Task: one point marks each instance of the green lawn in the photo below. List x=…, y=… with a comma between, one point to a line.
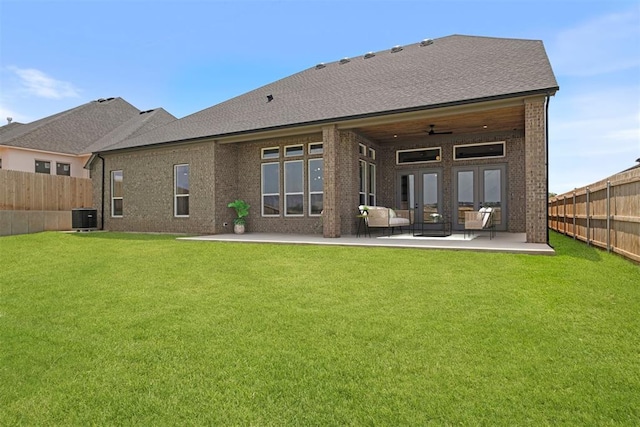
x=117, y=329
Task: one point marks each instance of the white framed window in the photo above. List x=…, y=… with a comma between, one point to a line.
x=117, y=194
x=418, y=155
x=362, y=150
x=372, y=185
x=362, y=190
x=271, y=153
x=270, y=177
x=294, y=188
x=372, y=153
x=316, y=186
x=181, y=190
x=316, y=148
x=43, y=166
x=294, y=150
x=479, y=151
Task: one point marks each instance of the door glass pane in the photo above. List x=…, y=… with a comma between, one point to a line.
x=429, y=195
x=493, y=193
x=465, y=194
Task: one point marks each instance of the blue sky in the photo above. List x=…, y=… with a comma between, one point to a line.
x=185, y=56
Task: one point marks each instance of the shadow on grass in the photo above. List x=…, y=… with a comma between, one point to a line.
x=567, y=246
x=108, y=235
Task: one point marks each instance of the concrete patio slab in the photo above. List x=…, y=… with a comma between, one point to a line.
x=502, y=242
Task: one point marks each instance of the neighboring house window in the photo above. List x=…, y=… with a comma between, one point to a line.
x=363, y=182
x=270, y=189
x=372, y=184
x=479, y=151
x=316, y=186
x=181, y=190
x=0, y=163
x=116, y=193
x=43, y=166
x=294, y=188
x=63, y=169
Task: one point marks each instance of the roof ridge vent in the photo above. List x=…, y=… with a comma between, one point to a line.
x=426, y=42
x=320, y=66
x=396, y=49
x=369, y=55
x=345, y=60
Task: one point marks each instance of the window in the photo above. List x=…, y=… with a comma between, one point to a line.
x=294, y=188
x=63, y=169
x=372, y=185
x=270, y=189
x=479, y=151
x=43, y=167
x=316, y=186
x=116, y=193
x=419, y=155
x=271, y=153
x=363, y=182
x=316, y=148
x=372, y=153
x=294, y=150
x=181, y=190
x=0, y=163
x=362, y=150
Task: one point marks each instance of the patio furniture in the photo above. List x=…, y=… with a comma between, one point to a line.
x=381, y=217
x=479, y=220
x=436, y=226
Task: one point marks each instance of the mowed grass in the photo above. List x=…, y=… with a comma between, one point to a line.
x=124, y=329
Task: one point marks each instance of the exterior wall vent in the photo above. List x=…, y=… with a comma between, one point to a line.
x=396, y=49
x=345, y=60
x=320, y=66
x=426, y=42
x=369, y=55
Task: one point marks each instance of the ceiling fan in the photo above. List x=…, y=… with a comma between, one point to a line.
x=433, y=132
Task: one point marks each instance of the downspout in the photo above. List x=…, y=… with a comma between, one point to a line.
x=102, y=188
x=546, y=161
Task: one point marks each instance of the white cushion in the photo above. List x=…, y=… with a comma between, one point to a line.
x=392, y=213
x=398, y=221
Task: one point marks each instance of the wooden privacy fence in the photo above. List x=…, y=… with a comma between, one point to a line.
x=604, y=214
x=25, y=191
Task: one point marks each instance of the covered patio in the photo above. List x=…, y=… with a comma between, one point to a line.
x=503, y=242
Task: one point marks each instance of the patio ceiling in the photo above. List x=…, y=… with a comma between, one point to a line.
x=497, y=120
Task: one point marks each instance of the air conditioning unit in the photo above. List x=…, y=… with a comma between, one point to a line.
x=84, y=219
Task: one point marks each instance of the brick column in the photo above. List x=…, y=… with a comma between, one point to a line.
x=535, y=170
x=331, y=212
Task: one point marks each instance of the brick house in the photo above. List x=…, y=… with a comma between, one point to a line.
x=443, y=125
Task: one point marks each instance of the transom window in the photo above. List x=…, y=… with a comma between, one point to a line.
x=294, y=150
x=418, y=155
x=316, y=148
x=181, y=191
x=271, y=153
x=117, y=193
x=479, y=151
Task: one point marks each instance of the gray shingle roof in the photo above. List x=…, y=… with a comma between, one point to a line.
x=71, y=131
x=451, y=70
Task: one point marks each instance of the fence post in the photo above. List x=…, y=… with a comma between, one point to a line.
x=588, y=220
x=574, y=215
x=608, y=216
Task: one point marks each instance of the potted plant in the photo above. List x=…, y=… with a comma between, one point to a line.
x=242, y=210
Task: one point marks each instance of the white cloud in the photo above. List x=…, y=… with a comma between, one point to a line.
x=607, y=44
x=16, y=117
x=40, y=84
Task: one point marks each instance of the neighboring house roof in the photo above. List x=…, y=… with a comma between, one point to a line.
x=71, y=131
x=451, y=70
x=141, y=123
